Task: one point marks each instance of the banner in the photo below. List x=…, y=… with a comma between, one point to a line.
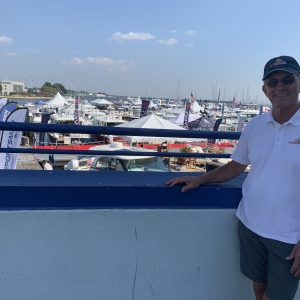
x=12, y=139
x=144, y=108
x=6, y=110
x=217, y=124
x=194, y=124
x=3, y=101
x=186, y=115
x=216, y=127
x=207, y=123
x=76, y=111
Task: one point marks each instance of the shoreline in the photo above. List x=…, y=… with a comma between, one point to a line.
x=27, y=97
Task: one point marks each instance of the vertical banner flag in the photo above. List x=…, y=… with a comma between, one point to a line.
x=216, y=127
x=3, y=101
x=12, y=139
x=186, y=115
x=76, y=111
x=6, y=111
x=144, y=108
x=217, y=124
x=45, y=119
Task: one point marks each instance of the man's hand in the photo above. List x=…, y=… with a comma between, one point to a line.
x=190, y=182
x=295, y=255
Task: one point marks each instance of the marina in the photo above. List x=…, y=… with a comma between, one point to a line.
x=126, y=112
x=142, y=226
x=121, y=123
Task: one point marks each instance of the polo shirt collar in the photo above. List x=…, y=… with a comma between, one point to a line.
x=294, y=120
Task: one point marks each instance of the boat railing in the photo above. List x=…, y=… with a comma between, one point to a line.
x=116, y=131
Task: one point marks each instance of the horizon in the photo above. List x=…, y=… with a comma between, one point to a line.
x=164, y=50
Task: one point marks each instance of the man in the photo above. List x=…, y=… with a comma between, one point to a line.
x=269, y=212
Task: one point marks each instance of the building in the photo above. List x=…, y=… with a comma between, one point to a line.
x=12, y=87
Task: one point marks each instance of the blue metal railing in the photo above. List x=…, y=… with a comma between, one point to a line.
x=116, y=131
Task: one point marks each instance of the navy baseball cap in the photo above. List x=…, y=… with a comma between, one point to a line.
x=281, y=63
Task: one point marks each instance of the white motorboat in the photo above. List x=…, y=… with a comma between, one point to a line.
x=119, y=162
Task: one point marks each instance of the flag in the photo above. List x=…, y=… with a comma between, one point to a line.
x=206, y=123
x=6, y=111
x=76, y=111
x=12, y=139
x=216, y=127
x=144, y=108
x=217, y=124
x=195, y=124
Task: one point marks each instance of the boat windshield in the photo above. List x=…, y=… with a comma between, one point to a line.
x=151, y=164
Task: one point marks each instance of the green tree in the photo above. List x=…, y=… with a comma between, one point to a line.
x=60, y=88
x=0, y=88
x=48, y=88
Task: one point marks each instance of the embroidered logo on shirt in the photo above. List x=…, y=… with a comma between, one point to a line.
x=295, y=141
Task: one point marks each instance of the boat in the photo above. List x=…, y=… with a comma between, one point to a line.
x=119, y=162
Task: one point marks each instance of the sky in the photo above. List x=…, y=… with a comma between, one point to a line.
x=157, y=48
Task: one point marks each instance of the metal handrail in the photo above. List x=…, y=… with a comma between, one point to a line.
x=119, y=131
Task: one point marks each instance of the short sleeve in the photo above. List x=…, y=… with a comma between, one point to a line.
x=240, y=153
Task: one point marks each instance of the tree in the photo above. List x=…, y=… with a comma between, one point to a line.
x=0, y=88
x=60, y=88
x=48, y=88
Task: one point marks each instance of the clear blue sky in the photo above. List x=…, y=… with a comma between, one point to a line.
x=148, y=48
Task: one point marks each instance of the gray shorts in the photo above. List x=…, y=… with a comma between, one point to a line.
x=263, y=260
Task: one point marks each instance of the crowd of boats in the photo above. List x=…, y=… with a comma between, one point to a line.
x=130, y=112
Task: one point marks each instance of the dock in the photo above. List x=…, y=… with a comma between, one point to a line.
x=27, y=161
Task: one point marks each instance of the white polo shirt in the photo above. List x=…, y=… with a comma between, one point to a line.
x=270, y=205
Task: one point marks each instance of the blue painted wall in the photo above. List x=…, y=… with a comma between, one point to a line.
x=20, y=189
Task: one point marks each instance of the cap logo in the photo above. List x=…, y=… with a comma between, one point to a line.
x=278, y=62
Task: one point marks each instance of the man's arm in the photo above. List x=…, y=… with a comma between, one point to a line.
x=224, y=173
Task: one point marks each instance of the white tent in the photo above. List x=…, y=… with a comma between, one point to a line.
x=101, y=102
x=195, y=107
x=151, y=122
x=57, y=100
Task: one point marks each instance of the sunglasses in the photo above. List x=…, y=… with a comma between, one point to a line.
x=286, y=80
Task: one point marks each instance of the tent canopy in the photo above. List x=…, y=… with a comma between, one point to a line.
x=151, y=122
x=57, y=100
x=101, y=102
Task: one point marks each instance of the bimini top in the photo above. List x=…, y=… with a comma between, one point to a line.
x=118, y=146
